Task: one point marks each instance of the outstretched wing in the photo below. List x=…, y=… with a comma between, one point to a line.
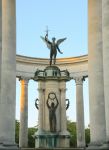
x=48, y=43
x=60, y=41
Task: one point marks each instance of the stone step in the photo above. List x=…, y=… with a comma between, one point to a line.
x=63, y=149
x=53, y=149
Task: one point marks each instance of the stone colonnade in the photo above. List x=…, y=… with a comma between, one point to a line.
x=98, y=59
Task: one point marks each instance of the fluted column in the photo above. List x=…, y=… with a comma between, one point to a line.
x=95, y=73
x=23, y=134
x=80, y=112
x=63, y=107
x=105, y=16
x=8, y=79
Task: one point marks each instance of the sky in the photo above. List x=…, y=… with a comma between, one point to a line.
x=64, y=19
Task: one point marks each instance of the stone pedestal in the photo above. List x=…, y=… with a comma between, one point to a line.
x=52, y=89
x=51, y=140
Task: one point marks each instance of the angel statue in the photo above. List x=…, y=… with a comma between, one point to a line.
x=53, y=46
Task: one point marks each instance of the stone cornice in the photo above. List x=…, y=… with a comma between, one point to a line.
x=27, y=66
x=45, y=61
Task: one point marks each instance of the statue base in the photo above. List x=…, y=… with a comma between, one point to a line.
x=44, y=139
x=52, y=90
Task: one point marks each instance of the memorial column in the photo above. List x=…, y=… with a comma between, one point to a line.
x=80, y=112
x=23, y=134
x=8, y=77
x=95, y=73
x=105, y=27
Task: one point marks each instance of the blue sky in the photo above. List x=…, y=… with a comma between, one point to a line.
x=64, y=19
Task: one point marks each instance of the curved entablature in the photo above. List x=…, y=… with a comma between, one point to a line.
x=26, y=66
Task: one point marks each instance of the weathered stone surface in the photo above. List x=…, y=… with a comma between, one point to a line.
x=80, y=112
x=105, y=20
x=8, y=79
x=0, y=42
x=23, y=134
x=95, y=73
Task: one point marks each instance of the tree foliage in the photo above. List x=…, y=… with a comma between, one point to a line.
x=87, y=136
x=17, y=132
x=71, y=127
x=31, y=140
x=31, y=131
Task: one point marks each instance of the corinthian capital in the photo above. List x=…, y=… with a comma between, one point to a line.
x=24, y=80
x=79, y=80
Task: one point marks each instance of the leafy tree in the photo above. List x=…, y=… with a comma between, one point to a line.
x=31, y=140
x=87, y=136
x=17, y=124
x=71, y=127
x=31, y=131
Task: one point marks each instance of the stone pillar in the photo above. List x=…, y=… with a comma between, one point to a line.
x=0, y=41
x=95, y=72
x=80, y=112
x=8, y=79
x=63, y=108
x=64, y=142
x=23, y=134
x=41, y=107
x=105, y=16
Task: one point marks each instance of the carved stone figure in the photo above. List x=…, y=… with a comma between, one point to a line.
x=52, y=110
x=53, y=46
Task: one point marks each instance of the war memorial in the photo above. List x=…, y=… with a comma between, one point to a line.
x=52, y=75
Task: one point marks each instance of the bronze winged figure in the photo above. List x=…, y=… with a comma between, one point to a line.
x=53, y=46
